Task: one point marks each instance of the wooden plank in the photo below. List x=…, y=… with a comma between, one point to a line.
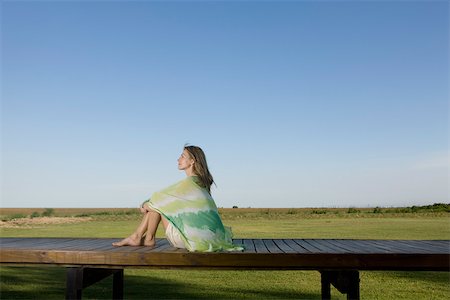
x=94, y=244
x=102, y=247
x=392, y=248
x=376, y=248
x=146, y=249
x=320, y=248
x=295, y=246
x=259, y=246
x=396, y=246
x=304, y=244
x=400, y=247
x=165, y=245
x=122, y=249
x=283, y=246
x=31, y=242
x=291, y=261
x=444, y=245
x=382, y=247
x=5, y=241
x=443, y=242
x=249, y=246
x=180, y=250
x=67, y=243
x=344, y=246
x=168, y=256
x=73, y=245
x=86, y=242
x=238, y=242
x=159, y=242
x=359, y=246
x=424, y=246
x=58, y=245
x=271, y=246
x=330, y=247
x=416, y=246
x=98, y=244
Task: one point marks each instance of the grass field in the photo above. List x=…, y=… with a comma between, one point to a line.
x=49, y=283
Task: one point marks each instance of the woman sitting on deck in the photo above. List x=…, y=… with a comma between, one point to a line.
x=187, y=211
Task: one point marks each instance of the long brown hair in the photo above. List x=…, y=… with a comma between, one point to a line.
x=200, y=166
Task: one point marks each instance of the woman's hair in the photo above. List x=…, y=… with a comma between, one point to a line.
x=200, y=166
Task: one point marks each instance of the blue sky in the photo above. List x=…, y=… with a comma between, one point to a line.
x=296, y=103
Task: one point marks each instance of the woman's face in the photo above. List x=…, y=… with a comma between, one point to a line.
x=185, y=161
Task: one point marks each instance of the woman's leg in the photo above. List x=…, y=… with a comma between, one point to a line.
x=155, y=219
x=152, y=226
x=135, y=238
x=147, y=208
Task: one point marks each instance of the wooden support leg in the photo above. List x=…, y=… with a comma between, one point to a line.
x=326, y=286
x=80, y=277
x=353, y=286
x=74, y=283
x=118, y=285
x=346, y=282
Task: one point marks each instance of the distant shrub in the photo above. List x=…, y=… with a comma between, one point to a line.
x=377, y=210
x=403, y=210
x=103, y=213
x=110, y=214
x=319, y=212
x=81, y=215
x=48, y=212
x=35, y=214
x=17, y=216
x=352, y=210
x=292, y=211
x=436, y=207
x=234, y=206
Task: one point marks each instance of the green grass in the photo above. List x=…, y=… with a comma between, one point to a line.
x=28, y=282
x=426, y=227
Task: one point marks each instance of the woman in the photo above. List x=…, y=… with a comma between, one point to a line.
x=186, y=210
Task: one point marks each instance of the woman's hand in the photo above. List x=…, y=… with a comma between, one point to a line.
x=142, y=210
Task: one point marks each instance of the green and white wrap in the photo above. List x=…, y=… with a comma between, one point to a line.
x=193, y=212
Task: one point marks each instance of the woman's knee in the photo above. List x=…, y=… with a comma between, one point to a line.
x=147, y=208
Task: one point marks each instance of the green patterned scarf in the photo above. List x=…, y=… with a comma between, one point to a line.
x=193, y=212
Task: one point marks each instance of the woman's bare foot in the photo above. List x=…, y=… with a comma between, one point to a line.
x=132, y=240
x=149, y=242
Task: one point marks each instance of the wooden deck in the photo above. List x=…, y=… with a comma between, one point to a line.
x=334, y=258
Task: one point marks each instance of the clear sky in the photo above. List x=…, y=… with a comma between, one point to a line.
x=296, y=103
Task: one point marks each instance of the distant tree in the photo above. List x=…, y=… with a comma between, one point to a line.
x=234, y=206
x=35, y=214
x=48, y=212
x=352, y=210
x=377, y=210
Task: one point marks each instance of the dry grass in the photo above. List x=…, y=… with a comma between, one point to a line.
x=58, y=211
x=35, y=222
